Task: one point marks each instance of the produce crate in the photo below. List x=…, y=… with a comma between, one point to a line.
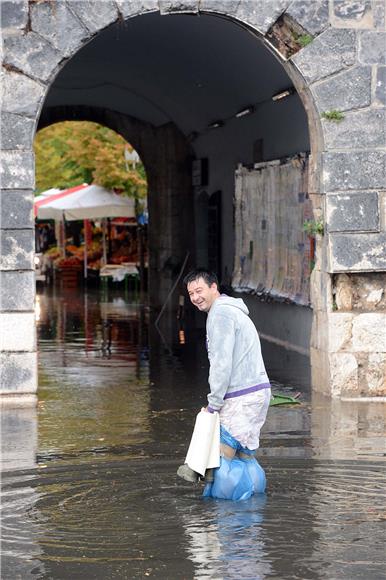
x=69, y=276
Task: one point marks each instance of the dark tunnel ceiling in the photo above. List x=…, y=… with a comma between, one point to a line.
x=187, y=69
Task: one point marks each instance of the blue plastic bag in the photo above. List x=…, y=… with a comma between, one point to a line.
x=236, y=478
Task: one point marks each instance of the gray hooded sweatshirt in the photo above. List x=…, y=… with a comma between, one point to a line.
x=236, y=363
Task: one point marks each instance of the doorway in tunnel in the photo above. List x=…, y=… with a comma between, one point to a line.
x=90, y=208
x=184, y=89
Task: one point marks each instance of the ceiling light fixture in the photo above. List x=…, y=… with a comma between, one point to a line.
x=215, y=124
x=246, y=111
x=283, y=94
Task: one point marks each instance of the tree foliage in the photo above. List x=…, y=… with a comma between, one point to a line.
x=75, y=152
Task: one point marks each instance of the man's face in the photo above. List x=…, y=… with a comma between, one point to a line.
x=202, y=295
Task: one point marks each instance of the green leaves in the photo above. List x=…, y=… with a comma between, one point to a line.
x=75, y=152
x=312, y=227
x=336, y=116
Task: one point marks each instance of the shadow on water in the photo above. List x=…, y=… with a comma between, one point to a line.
x=89, y=487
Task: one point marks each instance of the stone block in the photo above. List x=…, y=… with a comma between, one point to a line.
x=382, y=204
x=354, y=170
x=358, y=130
x=220, y=6
x=320, y=371
x=349, y=10
x=340, y=331
x=57, y=24
x=376, y=374
x=17, y=291
x=261, y=14
x=372, y=47
x=133, y=7
x=18, y=333
x=344, y=373
x=321, y=253
x=349, y=13
x=368, y=290
x=374, y=298
x=320, y=290
x=17, y=249
x=314, y=175
x=319, y=331
x=357, y=252
x=14, y=14
x=312, y=16
x=32, y=55
x=16, y=209
x=380, y=86
x=348, y=90
x=19, y=433
x=369, y=332
x=343, y=292
x=20, y=94
x=329, y=53
x=17, y=132
x=17, y=170
x=178, y=6
x=95, y=14
x=379, y=14
x=18, y=372
x=353, y=212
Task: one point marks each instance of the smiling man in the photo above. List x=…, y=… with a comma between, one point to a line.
x=239, y=386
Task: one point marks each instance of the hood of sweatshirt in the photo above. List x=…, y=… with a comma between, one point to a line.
x=225, y=300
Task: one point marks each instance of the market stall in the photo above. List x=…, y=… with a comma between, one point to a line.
x=89, y=203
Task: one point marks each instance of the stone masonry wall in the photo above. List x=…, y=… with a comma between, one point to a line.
x=335, y=52
x=350, y=94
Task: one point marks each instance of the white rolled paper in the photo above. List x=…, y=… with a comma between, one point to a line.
x=204, y=448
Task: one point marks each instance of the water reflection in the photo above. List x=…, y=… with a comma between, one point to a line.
x=94, y=376
x=89, y=487
x=345, y=429
x=232, y=542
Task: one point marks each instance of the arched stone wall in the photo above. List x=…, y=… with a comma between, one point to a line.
x=334, y=52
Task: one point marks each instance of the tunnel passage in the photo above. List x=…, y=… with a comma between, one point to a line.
x=337, y=65
x=185, y=88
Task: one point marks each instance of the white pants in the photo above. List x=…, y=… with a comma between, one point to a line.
x=243, y=417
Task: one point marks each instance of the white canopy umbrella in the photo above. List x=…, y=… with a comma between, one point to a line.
x=84, y=202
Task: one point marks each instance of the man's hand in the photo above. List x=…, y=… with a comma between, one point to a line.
x=210, y=410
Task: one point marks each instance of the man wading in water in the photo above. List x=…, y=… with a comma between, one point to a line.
x=239, y=386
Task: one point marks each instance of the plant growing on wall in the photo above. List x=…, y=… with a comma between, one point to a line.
x=301, y=40
x=334, y=115
x=313, y=228
x=304, y=39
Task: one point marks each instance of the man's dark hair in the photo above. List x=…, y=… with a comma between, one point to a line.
x=208, y=277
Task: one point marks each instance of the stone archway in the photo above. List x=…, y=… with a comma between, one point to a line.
x=332, y=52
x=166, y=156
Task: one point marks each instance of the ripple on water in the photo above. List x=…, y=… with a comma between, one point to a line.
x=133, y=518
x=113, y=418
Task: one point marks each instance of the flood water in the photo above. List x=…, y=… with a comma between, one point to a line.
x=89, y=487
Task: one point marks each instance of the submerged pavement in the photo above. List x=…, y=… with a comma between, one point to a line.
x=89, y=487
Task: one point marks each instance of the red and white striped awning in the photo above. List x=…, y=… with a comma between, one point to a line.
x=83, y=202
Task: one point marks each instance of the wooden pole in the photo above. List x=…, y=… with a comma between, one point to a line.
x=141, y=255
x=104, y=241
x=85, y=230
